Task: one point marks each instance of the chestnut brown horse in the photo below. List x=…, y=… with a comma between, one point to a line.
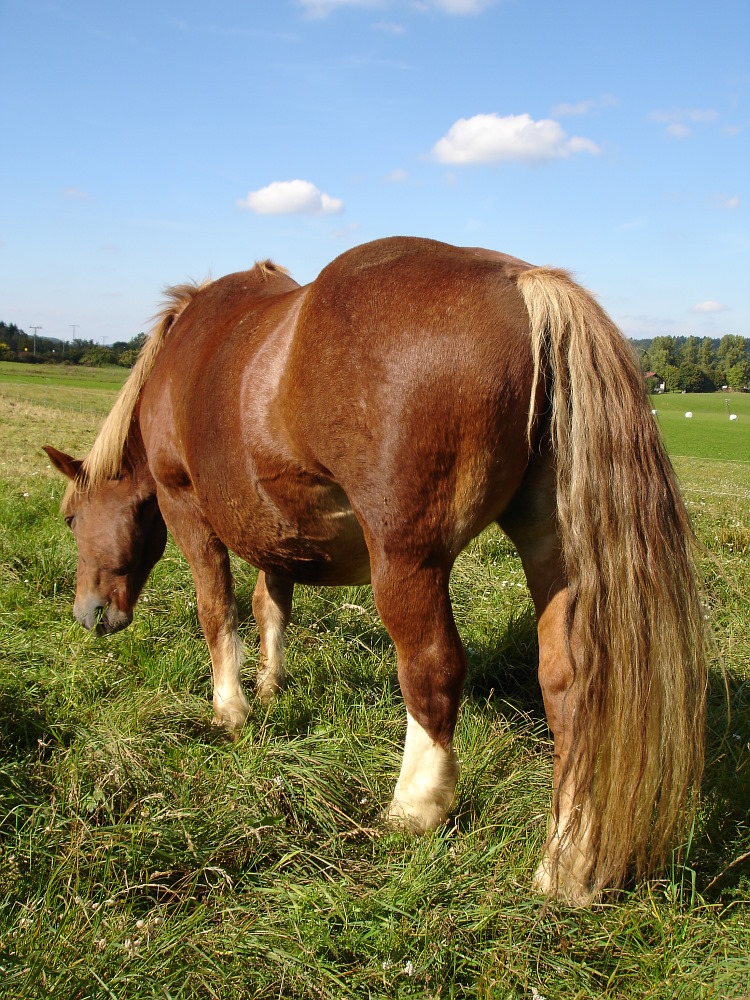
x=365, y=427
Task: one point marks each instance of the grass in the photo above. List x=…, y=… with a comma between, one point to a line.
x=143, y=855
x=709, y=433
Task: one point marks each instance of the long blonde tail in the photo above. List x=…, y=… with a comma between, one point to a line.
x=627, y=543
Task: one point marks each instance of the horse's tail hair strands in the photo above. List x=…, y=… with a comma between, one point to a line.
x=639, y=650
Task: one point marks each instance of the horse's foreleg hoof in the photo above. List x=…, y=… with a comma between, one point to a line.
x=415, y=818
x=231, y=713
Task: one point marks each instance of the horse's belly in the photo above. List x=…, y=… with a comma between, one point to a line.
x=310, y=545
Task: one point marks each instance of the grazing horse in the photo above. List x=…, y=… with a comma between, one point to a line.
x=366, y=427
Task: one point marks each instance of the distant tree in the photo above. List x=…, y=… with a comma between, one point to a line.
x=688, y=351
x=738, y=376
x=671, y=375
x=96, y=357
x=137, y=342
x=691, y=378
x=731, y=351
x=128, y=358
x=707, y=355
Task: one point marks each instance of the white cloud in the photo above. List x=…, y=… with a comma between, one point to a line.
x=462, y=6
x=698, y=115
x=708, y=307
x=495, y=139
x=322, y=8
x=74, y=194
x=291, y=198
x=733, y=202
x=678, y=120
x=389, y=27
x=397, y=176
x=678, y=131
x=587, y=106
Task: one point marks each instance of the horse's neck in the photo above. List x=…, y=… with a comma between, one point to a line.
x=135, y=460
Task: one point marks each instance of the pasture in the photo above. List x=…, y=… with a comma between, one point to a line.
x=143, y=854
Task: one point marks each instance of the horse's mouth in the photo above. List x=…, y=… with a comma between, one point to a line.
x=110, y=623
x=103, y=620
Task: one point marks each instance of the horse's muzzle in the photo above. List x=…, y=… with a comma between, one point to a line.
x=104, y=620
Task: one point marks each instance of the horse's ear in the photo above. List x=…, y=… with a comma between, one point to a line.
x=66, y=464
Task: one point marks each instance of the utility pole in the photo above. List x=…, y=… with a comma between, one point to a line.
x=73, y=327
x=35, y=328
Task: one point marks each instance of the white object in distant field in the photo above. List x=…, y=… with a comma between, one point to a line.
x=654, y=412
x=732, y=416
x=689, y=414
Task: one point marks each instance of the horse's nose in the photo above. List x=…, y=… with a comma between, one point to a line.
x=88, y=613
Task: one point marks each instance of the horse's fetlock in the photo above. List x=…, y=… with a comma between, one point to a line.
x=231, y=713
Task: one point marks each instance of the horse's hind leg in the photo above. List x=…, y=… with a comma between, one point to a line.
x=272, y=607
x=415, y=608
x=530, y=522
x=217, y=610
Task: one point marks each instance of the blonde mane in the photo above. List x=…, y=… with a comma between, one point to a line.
x=105, y=459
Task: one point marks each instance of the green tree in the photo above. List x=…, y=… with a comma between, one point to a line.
x=738, y=376
x=96, y=357
x=128, y=358
x=732, y=350
x=688, y=351
x=671, y=375
x=661, y=353
x=691, y=378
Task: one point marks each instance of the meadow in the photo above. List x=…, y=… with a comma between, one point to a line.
x=143, y=854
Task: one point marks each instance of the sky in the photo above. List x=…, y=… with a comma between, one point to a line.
x=147, y=143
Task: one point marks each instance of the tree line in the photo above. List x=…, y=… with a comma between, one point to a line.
x=17, y=345
x=688, y=364
x=692, y=364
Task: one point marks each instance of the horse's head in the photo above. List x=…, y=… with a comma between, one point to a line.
x=120, y=535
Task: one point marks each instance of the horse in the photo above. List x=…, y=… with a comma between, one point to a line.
x=364, y=428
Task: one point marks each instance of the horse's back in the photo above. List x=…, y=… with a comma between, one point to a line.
x=409, y=379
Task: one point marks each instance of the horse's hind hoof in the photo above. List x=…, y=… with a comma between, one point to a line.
x=566, y=889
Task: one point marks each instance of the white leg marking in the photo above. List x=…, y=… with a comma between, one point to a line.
x=425, y=787
x=271, y=677
x=230, y=704
x=566, y=864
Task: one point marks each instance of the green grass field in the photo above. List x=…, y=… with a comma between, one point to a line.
x=709, y=433
x=144, y=855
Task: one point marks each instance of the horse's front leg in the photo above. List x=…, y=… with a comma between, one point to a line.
x=272, y=607
x=208, y=559
x=414, y=606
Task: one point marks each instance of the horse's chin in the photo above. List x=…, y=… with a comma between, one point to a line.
x=113, y=621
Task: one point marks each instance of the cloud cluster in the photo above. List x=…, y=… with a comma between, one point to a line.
x=587, y=106
x=322, y=8
x=708, y=307
x=678, y=121
x=496, y=139
x=296, y=197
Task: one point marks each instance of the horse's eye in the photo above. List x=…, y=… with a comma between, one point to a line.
x=70, y=520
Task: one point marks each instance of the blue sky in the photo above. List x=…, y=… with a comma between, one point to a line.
x=145, y=143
